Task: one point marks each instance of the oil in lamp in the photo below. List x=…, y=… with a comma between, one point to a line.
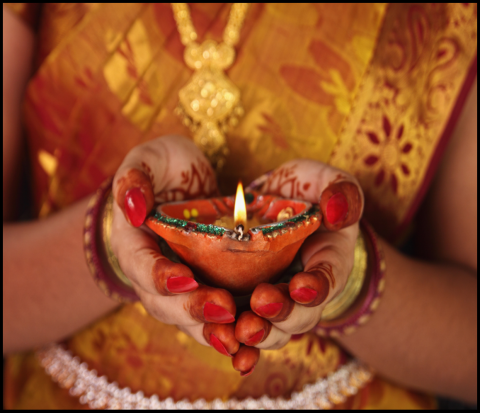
x=236, y=242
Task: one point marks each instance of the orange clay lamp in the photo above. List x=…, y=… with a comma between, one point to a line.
x=236, y=243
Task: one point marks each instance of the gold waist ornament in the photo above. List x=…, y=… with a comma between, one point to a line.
x=210, y=103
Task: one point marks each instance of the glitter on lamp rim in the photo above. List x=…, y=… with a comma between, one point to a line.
x=220, y=231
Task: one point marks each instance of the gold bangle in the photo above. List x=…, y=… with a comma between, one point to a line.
x=106, y=233
x=352, y=289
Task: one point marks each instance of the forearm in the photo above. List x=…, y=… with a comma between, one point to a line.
x=48, y=290
x=424, y=333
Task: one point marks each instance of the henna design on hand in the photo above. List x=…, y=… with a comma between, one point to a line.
x=251, y=329
x=272, y=301
x=171, y=278
x=198, y=182
x=149, y=172
x=211, y=305
x=245, y=360
x=325, y=269
x=284, y=179
x=311, y=288
x=222, y=338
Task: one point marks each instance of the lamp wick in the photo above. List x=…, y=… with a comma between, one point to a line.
x=239, y=230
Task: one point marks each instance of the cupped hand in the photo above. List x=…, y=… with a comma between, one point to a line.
x=278, y=311
x=170, y=168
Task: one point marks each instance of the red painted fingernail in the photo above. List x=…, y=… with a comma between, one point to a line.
x=181, y=284
x=217, y=345
x=304, y=295
x=247, y=373
x=269, y=310
x=135, y=206
x=337, y=208
x=256, y=338
x=216, y=314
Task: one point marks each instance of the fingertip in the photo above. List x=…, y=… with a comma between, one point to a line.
x=310, y=288
x=218, y=345
x=214, y=313
x=247, y=373
x=269, y=310
x=211, y=305
x=245, y=360
x=222, y=338
x=170, y=277
x=303, y=295
x=251, y=329
x=134, y=195
x=135, y=206
x=336, y=209
x=256, y=338
x=272, y=302
x=181, y=285
x=341, y=204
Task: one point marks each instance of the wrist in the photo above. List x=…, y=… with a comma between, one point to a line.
x=356, y=304
x=348, y=297
x=368, y=297
x=108, y=257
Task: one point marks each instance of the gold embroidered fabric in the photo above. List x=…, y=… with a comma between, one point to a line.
x=369, y=88
x=403, y=106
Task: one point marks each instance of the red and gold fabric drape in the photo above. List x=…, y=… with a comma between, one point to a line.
x=373, y=89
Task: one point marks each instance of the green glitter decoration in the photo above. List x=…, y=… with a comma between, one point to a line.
x=171, y=221
x=273, y=228
x=300, y=218
x=219, y=231
x=209, y=229
x=181, y=223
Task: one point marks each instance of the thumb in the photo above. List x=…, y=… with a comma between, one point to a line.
x=341, y=204
x=338, y=192
x=133, y=185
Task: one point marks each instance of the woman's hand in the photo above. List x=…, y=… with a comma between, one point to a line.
x=327, y=255
x=171, y=168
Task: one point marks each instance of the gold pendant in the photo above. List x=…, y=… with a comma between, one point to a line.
x=210, y=103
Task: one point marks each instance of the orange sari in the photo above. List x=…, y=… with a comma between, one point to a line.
x=373, y=89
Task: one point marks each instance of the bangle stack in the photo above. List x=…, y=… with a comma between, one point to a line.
x=106, y=233
x=352, y=289
x=104, y=270
x=369, y=260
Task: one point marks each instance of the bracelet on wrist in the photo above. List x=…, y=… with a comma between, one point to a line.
x=361, y=296
x=106, y=234
x=101, y=261
x=340, y=304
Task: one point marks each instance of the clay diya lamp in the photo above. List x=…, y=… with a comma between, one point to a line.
x=236, y=249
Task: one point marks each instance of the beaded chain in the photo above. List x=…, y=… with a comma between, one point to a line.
x=99, y=393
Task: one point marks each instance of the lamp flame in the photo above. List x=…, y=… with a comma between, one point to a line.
x=240, y=211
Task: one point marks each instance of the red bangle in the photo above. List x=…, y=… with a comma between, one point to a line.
x=376, y=267
x=110, y=285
